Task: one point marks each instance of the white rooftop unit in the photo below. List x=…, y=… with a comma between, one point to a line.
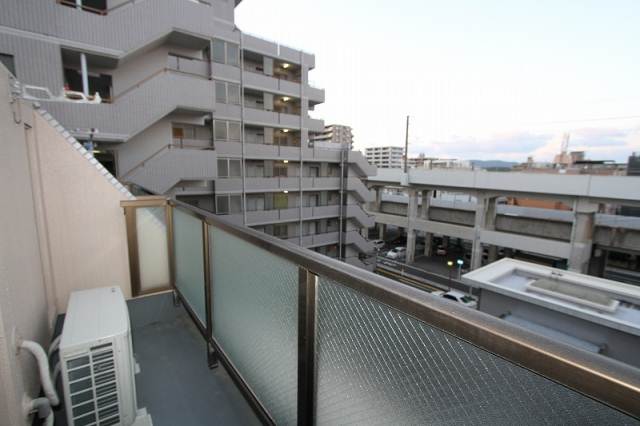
x=96, y=357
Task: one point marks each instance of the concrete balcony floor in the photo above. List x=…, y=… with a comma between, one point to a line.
x=174, y=384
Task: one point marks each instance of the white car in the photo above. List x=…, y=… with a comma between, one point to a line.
x=460, y=297
x=398, y=253
x=378, y=244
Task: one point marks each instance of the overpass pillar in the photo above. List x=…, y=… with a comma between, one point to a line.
x=485, y=219
x=424, y=215
x=381, y=229
x=412, y=213
x=582, y=235
x=378, y=203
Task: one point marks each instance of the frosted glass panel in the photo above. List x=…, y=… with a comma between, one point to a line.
x=151, y=229
x=379, y=366
x=187, y=240
x=255, y=319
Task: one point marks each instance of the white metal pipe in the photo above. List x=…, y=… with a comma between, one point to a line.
x=85, y=74
x=54, y=345
x=43, y=365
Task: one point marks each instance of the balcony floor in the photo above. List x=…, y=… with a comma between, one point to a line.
x=174, y=384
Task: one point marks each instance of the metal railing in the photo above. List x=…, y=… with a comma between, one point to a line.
x=310, y=339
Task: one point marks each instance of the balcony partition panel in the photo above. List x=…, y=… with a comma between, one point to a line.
x=189, y=261
x=255, y=317
x=151, y=229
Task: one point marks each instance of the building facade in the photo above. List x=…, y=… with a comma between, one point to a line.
x=385, y=157
x=177, y=100
x=334, y=135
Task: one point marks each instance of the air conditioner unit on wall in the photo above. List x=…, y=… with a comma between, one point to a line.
x=96, y=356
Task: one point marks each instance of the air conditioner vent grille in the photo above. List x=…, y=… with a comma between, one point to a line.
x=94, y=388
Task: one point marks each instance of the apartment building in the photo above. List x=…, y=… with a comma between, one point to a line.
x=385, y=157
x=336, y=134
x=178, y=101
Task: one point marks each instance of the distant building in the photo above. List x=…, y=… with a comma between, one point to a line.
x=385, y=157
x=593, y=314
x=334, y=134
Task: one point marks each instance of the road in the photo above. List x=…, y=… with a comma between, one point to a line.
x=417, y=277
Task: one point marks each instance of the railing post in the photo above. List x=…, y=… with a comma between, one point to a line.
x=212, y=356
x=132, y=245
x=307, y=297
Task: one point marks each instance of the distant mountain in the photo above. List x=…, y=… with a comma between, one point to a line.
x=493, y=164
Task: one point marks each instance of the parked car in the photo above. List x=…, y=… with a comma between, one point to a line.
x=378, y=244
x=398, y=253
x=460, y=297
x=441, y=251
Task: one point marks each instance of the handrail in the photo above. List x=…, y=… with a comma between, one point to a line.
x=155, y=153
x=138, y=84
x=603, y=379
x=141, y=163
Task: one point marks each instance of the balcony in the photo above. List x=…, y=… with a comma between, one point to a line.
x=312, y=340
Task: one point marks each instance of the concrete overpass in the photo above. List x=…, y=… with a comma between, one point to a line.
x=568, y=235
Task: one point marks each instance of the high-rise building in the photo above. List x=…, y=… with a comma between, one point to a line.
x=334, y=134
x=386, y=157
x=173, y=98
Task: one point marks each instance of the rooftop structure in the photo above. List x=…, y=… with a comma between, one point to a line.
x=289, y=336
x=596, y=314
x=385, y=157
x=175, y=100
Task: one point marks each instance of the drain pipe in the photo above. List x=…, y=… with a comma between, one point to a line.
x=43, y=366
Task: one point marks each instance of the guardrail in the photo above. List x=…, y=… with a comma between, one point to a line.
x=309, y=339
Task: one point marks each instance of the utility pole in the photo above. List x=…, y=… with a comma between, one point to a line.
x=406, y=147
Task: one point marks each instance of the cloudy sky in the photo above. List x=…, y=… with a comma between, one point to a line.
x=490, y=79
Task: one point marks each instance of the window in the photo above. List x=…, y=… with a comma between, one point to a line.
x=281, y=201
x=228, y=204
x=280, y=231
x=222, y=204
x=226, y=52
x=280, y=170
x=223, y=168
x=235, y=168
x=221, y=130
x=227, y=130
x=227, y=93
x=234, y=131
x=219, y=51
x=221, y=92
x=233, y=54
x=229, y=168
x=9, y=62
x=233, y=93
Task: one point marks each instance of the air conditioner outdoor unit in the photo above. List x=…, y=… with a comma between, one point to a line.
x=97, y=364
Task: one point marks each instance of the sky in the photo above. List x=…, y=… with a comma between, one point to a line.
x=480, y=79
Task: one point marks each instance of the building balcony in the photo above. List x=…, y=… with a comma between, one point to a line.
x=329, y=330
x=273, y=84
